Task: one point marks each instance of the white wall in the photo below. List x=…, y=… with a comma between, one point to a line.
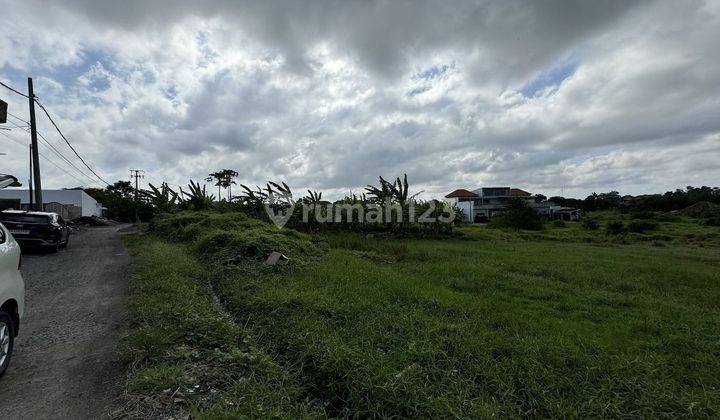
x=90, y=207
x=79, y=198
x=467, y=208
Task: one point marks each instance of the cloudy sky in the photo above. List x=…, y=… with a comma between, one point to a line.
x=543, y=95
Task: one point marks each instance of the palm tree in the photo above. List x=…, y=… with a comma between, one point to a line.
x=223, y=179
x=217, y=177
x=229, y=180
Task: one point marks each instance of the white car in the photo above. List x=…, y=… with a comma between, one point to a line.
x=12, y=291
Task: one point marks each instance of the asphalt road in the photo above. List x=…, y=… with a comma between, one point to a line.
x=66, y=362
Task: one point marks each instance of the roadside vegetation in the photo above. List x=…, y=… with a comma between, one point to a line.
x=615, y=315
x=185, y=355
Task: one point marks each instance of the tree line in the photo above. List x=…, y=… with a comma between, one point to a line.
x=671, y=200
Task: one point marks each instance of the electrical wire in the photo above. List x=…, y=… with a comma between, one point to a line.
x=56, y=128
x=56, y=151
x=47, y=159
x=18, y=118
x=59, y=154
x=14, y=90
x=68, y=142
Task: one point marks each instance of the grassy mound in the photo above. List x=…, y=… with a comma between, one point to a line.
x=234, y=237
x=185, y=356
x=701, y=209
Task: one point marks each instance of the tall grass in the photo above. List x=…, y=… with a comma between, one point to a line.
x=497, y=323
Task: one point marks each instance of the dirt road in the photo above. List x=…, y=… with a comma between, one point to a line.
x=66, y=361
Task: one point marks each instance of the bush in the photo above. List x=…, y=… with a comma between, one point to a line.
x=642, y=214
x=614, y=227
x=640, y=226
x=666, y=217
x=518, y=216
x=559, y=223
x=234, y=237
x=712, y=221
x=255, y=244
x=590, y=224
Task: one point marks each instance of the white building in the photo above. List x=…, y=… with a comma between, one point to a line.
x=482, y=204
x=68, y=203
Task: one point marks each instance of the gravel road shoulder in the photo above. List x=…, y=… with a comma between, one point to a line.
x=66, y=362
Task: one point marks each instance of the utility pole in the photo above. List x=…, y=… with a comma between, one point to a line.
x=35, y=156
x=137, y=174
x=30, y=184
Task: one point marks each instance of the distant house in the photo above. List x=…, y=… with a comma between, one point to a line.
x=70, y=204
x=482, y=204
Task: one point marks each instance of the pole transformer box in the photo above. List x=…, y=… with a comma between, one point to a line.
x=3, y=112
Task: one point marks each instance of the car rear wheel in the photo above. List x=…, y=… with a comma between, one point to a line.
x=6, y=341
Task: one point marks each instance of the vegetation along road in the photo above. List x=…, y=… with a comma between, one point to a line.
x=66, y=363
x=572, y=320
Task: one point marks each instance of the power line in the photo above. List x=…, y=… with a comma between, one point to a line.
x=22, y=127
x=46, y=158
x=68, y=142
x=35, y=100
x=18, y=118
x=57, y=153
x=14, y=90
x=14, y=139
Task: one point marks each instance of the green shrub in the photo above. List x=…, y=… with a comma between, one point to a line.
x=614, y=227
x=234, y=237
x=255, y=244
x=517, y=216
x=642, y=214
x=559, y=223
x=590, y=224
x=640, y=226
x=666, y=217
x=712, y=221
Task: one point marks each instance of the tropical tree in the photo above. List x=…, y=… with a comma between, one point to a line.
x=223, y=179
x=382, y=193
x=216, y=177
x=229, y=180
x=164, y=199
x=197, y=198
x=124, y=189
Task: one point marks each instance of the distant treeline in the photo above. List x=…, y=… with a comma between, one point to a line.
x=671, y=200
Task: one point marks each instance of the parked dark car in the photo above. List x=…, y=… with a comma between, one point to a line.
x=36, y=228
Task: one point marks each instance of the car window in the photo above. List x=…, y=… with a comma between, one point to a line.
x=24, y=218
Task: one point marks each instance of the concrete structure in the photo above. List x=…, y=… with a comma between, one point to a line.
x=70, y=204
x=482, y=204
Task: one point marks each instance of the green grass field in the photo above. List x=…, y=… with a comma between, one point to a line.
x=561, y=322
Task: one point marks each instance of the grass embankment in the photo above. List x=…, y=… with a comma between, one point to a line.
x=186, y=355
x=497, y=326
x=669, y=231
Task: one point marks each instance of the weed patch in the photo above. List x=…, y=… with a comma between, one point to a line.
x=185, y=355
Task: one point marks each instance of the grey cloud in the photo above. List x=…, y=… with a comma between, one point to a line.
x=331, y=94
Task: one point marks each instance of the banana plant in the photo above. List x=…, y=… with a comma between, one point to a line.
x=281, y=193
x=250, y=196
x=197, y=198
x=313, y=197
x=380, y=195
x=164, y=199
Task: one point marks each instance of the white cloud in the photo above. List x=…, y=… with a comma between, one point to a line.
x=329, y=95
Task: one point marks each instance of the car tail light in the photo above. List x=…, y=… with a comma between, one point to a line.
x=20, y=262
